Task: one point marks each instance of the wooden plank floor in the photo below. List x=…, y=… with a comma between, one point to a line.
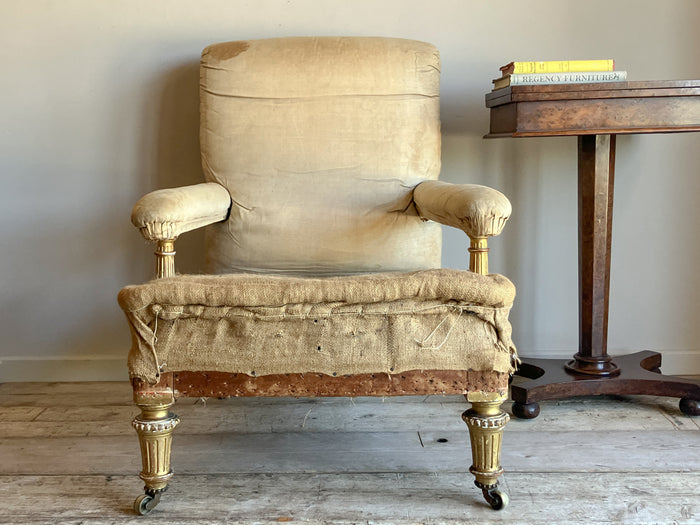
x=68, y=455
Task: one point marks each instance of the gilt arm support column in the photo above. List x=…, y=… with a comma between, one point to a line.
x=479, y=255
x=165, y=258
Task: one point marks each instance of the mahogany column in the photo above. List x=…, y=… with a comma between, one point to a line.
x=596, y=113
x=596, y=173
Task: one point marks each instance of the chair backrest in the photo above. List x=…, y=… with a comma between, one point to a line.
x=320, y=142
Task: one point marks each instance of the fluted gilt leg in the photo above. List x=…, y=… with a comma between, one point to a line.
x=155, y=428
x=486, y=421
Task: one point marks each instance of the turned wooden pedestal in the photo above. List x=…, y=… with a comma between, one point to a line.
x=596, y=113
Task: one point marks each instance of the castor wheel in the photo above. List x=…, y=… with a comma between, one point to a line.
x=145, y=503
x=526, y=410
x=497, y=499
x=690, y=407
x=494, y=497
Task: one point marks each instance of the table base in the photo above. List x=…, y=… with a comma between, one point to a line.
x=640, y=374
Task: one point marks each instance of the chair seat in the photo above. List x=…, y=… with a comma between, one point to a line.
x=373, y=323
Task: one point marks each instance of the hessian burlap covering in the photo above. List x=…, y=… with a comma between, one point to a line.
x=392, y=322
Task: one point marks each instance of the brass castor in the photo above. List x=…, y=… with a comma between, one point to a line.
x=494, y=497
x=145, y=503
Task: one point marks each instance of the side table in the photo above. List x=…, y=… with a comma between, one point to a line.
x=596, y=113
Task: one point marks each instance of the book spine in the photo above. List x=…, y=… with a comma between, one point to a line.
x=563, y=66
x=568, y=78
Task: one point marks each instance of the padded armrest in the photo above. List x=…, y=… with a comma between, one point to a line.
x=165, y=214
x=478, y=210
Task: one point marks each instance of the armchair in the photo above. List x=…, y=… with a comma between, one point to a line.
x=322, y=209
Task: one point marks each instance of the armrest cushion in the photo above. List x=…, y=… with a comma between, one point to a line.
x=478, y=210
x=165, y=214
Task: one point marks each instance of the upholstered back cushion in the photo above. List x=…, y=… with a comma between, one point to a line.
x=320, y=142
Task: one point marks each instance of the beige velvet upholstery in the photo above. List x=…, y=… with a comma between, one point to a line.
x=478, y=210
x=320, y=142
x=165, y=214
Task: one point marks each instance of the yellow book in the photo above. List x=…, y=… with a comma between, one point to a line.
x=558, y=66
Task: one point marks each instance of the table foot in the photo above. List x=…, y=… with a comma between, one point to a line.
x=690, y=407
x=639, y=375
x=526, y=410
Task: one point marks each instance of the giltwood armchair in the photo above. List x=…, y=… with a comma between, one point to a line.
x=322, y=206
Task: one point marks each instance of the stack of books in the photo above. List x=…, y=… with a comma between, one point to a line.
x=558, y=72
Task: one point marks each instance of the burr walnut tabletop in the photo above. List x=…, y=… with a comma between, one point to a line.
x=596, y=113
